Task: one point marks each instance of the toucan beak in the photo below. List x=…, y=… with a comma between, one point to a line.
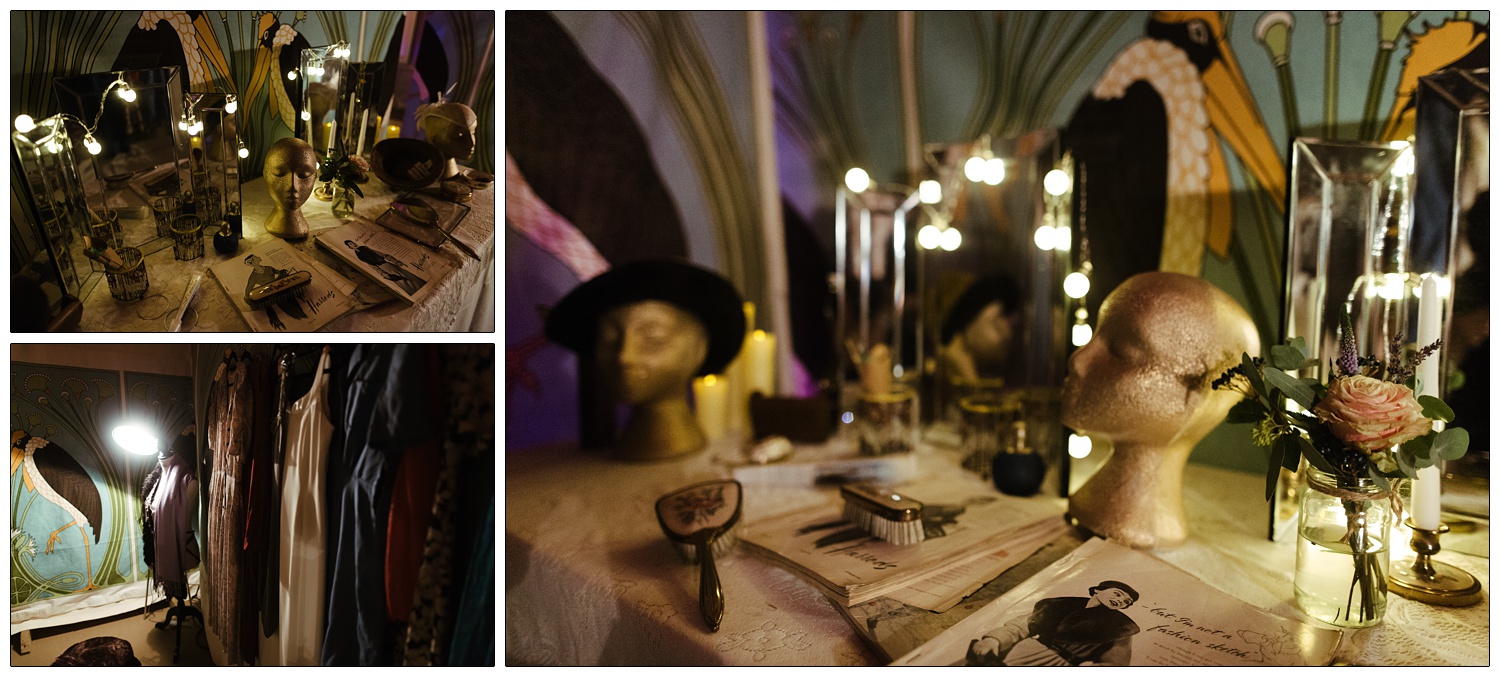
x=1234, y=114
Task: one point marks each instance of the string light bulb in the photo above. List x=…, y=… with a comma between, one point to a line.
x=1082, y=332
x=92, y=144
x=931, y=192
x=244, y=152
x=1044, y=237
x=1056, y=182
x=951, y=239
x=1079, y=446
x=994, y=171
x=291, y=75
x=858, y=180
x=974, y=169
x=1076, y=284
x=929, y=237
x=231, y=105
x=306, y=115
x=24, y=123
x=126, y=92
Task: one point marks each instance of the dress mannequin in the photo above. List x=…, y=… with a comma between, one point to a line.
x=1144, y=382
x=291, y=170
x=450, y=127
x=647, y=328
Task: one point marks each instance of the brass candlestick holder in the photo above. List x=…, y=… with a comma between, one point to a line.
x=1429, y=581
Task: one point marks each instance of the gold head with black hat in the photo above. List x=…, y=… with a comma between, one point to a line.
x=648, y=327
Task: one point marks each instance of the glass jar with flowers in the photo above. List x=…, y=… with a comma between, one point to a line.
x=343, y=173
x=1363, y=432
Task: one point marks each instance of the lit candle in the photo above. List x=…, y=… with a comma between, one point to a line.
x=711, y=403
x=332, y=128
x=392, y=131
x=760, y=364
x=1427, y=488
x=739, y=393
x=364, y=122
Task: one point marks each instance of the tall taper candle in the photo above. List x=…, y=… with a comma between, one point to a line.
x=1427, y=488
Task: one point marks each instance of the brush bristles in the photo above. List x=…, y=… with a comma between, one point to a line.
x=906, y=532
x=262, y=304
x=689, y=552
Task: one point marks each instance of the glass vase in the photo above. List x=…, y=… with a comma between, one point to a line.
x=1343, y=549
x=343, y=203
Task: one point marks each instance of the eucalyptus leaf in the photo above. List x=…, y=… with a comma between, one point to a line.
x=1302, y=420
x=1435, y=408
x=1380, y=480
x=1451, y=444
x=1245, y=411
x=1291, y=454
x=1406, y=461
x=1295, y=389
x=1314, y=456
x=1253, y=374
x=1420, y=450
x=1287, y=357
x=1273, y=471
x=1298, y=344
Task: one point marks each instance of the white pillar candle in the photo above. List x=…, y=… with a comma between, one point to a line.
x=364, y=123
x=711, y=404
x=760, y=364
x=1426, y=488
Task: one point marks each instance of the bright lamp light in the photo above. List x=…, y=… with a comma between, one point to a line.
x=92, y=144
x=1044, y=238
x=951, y=239
x=126, y=92
x=1056, y=182
x=1079, y=446
x=1082, y=334
x=974, y=169
x=244, y=152
x=857, y=179
x=24, y=123
x=232, y=106
x=135, y=439
x=994, y=171
x=931, y=191
x=1076, y=285
x=929, y=237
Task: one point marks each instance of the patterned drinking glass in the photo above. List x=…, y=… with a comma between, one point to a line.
x=166, y=209
x=187, y=237
x=129, y=283
x=106, y=228
x=209, y=207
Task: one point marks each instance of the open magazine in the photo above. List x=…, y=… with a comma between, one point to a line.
x=965, y=522
x=402, y=267
x=325, y=299
x=1106, y=604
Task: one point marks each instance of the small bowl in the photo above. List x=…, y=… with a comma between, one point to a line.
x=406, y=164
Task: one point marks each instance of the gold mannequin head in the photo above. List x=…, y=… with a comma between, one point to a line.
x=1144, y=383
x=649, y=351
x=451, y=127
x=291, y=170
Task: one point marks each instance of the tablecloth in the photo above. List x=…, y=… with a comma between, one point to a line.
x=591, y=580
x=463, y=301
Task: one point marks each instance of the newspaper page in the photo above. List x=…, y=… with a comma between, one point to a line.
x=964, y=520
x=323, y=300
x=1106, y=604
x=404, y=268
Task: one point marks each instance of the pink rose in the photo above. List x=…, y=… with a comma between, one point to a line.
x=1370, y=413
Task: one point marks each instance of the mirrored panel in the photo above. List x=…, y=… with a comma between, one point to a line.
x=133, y=118
x=52, y=229
x=321, y=74
x=215, y=155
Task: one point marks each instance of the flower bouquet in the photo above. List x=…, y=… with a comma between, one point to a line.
x=345, y=172
x=1362, y=432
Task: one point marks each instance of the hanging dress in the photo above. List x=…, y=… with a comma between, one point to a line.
x=230, y=421
x=303, y=514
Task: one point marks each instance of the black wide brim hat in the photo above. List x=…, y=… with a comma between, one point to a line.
x=574, y=321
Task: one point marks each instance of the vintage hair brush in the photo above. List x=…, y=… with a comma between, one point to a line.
x=699, y=520
x=887, y=515
x=278, y=290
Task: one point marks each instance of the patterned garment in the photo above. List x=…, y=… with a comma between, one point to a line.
x=230, y=413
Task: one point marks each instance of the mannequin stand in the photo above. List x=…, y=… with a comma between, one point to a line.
x=181, y=611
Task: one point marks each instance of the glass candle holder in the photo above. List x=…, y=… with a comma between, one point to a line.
x=106, y=228
x=207, y=200
x=884, y=422
x=200, y=180
x=129, y=283
x=166, y=209
x=987, y=426
x=187, y=238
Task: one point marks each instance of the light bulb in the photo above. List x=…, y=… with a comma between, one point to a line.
x=232, y=106
x=951, y=239
x=1079, y=446
x=857, y=179
x=1393, y=286
x=306, y=115
x=1043, y=238
x=182, y=125
x=1406, y=164
x=931, y=191
x=929, y=237
x=194, y=128
x=1056, y=182
x=1076, y=285
x=244, y=152
x=974, y=169
x=24, y=123
x=291, y=75
x=93, y=145
x=994, y=171
x=126, y=92
x=53, y=146
x=1082, y=333
x=1062, y=238
x=135, y=439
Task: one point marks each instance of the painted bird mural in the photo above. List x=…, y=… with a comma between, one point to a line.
x=53, y=473
x=1153, y=181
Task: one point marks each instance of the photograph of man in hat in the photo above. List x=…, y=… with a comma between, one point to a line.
x=1091, y=630
x=647, y=328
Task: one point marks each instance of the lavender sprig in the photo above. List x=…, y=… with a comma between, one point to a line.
x=1348, y=353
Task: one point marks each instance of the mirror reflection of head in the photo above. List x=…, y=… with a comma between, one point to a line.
x=290, y=171
x=980, y=329
x=649, y=350
x=1162, y=339
x=451, y=127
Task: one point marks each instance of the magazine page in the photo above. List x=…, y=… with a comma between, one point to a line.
x=324, y=300
x=1106, y=604
x=405, y=268
x=964, y=520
